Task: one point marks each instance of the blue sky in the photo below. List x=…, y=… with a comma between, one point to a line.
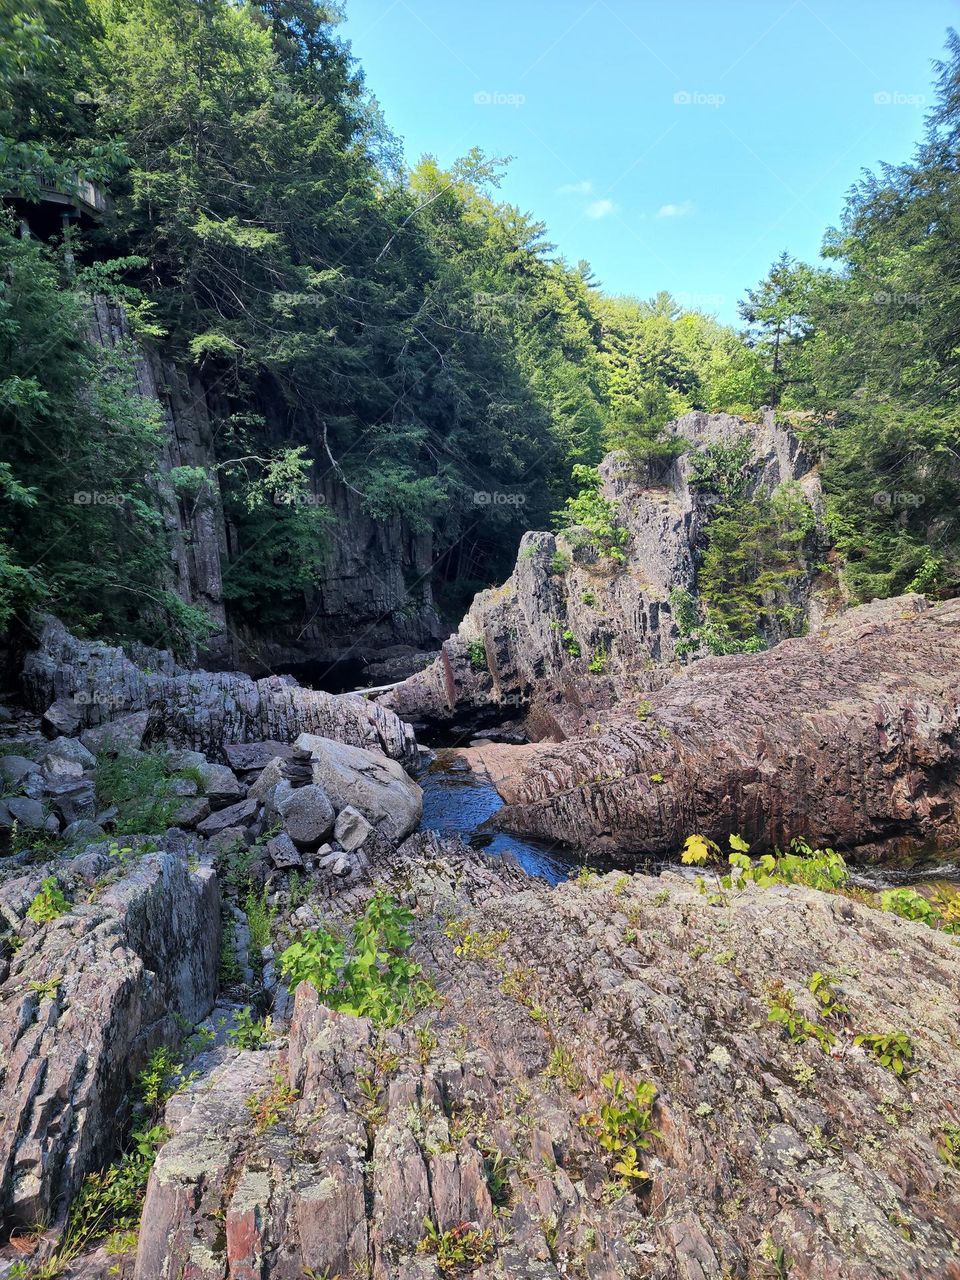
x=674, y=144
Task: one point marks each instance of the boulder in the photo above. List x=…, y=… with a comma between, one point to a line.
x=15, y=770
x=23, y=811
x=283, y=853
x=125, y=733
x=220, y=785
x=236, y=815
x=307, y=815
x=351, y=828
x=71, y=798
x=270, y=776
x=250, y=757
x=373, y=784
x=191, y=813
x=64, y=716
x=71, y=749
x=81, y=832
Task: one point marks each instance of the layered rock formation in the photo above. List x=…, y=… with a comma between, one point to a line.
x=369, y=563
x=386, y=1150
x=84, y=998
x=848, y=737
x=572, y=628
x=79, y=683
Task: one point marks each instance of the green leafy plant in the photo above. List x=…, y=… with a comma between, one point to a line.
x=949, y=1146
x=267, y=1109
x=374, y=977
x=49, y=903
x=591, y=511
x=460, y=1248
x=250, y=1032
x=138, y=785
x=892, y=1049
x=598, y=663
x=477, y=654
x=623, y=1124
x=560, y=562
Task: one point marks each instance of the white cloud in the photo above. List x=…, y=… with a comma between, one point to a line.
x=600, y=209
x=576, y=188
x=675, y=210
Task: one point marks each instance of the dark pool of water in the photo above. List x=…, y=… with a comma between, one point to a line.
x=458, y=801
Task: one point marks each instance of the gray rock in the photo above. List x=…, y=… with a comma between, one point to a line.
x=62, y=717
x=181, y=758
x=192, y=813
x=307, y=815
x=125, y=733
x=250, y=757
x=14, y=770
x=71, y=749
x=24, y=811
x=351, y=828
x=221, y=785
x=229, y=840
x=236, y=815
x=72, y=799
x=283, y=853
x=57, y=769
x=183, y=787
x=82, y=831
x=375, y=785
x=269, y=777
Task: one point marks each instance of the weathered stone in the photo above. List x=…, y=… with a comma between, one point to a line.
x=192, y=813
x=63, y=716
x=645, y=978
x=236, y=815
x=271, y=774
x=72, y=798
x=351, y=828
x=283, y=853
x=57, y=769
x=221, y=785
x=250, y=757
x=229, y=839
x=125, y=733
x=307, y=815
x=203, y=709
x=15, y=770
x=82, y=831
x=379, y=788
x=71, y=749
x=848, y=737
x=24, y=811
x=85, y=999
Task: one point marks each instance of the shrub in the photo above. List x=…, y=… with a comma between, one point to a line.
x=892, y=1049
x=460, y=1248
x=49, y=903
x=623, y=1125
x=377, y=980
x=249, y=1032
x=477, y=653
x=590, y=510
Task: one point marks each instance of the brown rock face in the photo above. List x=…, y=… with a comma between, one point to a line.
x=849, y=737
x=763, y=1142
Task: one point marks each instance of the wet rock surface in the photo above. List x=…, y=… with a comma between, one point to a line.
x=472, y=1116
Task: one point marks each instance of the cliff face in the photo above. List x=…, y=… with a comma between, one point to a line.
x=573, y=631
x=376, y=586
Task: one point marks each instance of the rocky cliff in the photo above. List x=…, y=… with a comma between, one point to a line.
x=573, y=629
x=375, y=589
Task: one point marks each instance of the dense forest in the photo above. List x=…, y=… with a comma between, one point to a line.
x=402, y=326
